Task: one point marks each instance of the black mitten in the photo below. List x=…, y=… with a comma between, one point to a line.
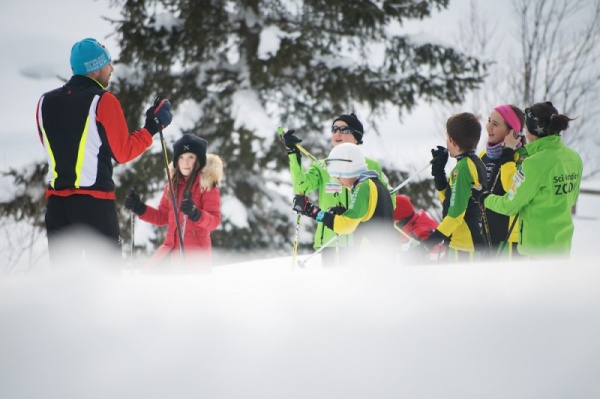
x=134, y=203
x=438, y=165
x=189, y=208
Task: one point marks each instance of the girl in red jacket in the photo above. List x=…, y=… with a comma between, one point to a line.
x=195, y=177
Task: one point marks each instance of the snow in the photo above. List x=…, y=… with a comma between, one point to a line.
x=235, y=210
x=259, y=328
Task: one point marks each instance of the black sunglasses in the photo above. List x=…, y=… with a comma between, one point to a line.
x=341, y=129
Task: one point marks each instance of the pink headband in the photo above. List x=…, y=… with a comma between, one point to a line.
x=510, y=117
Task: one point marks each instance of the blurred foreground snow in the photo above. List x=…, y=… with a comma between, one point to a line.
x=262, y=330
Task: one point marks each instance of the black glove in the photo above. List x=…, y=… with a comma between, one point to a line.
x=290, y=141
x=303, y=205
x=189, y=208
x=480, y=197
x=434, y=239
x=134, y=203
x=337, y=210
x=438, y=164
x=158, y=116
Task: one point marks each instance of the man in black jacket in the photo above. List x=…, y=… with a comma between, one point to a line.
x=83, y=129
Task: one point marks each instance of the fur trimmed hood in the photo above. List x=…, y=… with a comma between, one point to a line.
x=211, y=174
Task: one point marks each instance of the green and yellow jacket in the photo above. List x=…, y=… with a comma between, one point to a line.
x=370, y=214
x=331, y=193
x=462, y=215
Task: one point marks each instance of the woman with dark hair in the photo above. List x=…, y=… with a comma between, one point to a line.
x=195, y=177
x=545, y=187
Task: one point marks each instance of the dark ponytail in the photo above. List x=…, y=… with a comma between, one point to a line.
x=543, y=119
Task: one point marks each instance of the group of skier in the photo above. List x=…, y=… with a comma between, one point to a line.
x=525, y=177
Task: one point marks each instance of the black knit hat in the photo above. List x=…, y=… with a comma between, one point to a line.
x=354, y=124
x=193, y=144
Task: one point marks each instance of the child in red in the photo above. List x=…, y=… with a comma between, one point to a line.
x=414, y=226
x=418, y=225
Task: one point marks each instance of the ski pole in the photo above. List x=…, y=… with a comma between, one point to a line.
x=412, y=241
x=503, y=243
x=302, y=262
x=183, y=225
x=411, y=177
x=173, y=199
x=132, y=214
x=337, y=250
x=296, y=238
x=484, y=219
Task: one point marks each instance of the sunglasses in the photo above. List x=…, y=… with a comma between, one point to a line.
x=341, y=129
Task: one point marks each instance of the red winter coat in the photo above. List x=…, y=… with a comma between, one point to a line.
x=420, y=226
x=196, y=238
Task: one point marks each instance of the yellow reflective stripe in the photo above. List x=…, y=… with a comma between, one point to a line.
x=81, y=152
x=52, y=166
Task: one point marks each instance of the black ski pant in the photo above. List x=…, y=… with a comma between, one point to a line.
x=82, y=225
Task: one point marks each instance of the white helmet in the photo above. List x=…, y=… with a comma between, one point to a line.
x=346, y=160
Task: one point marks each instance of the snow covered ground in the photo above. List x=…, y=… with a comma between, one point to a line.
x=259, y=329
x=262, y=330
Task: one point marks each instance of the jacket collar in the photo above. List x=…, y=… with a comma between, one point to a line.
x=543, y=143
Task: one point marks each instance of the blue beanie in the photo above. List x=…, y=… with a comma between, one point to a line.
x=88, y=56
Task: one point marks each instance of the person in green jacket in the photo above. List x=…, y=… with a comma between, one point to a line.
x=461, y=226
x=370, y=214
x=346, y=128
x=545, y=187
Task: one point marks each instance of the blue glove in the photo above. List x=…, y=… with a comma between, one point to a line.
x=158, y=116
x=189, y=208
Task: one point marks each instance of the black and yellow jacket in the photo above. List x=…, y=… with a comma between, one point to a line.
x=83, y=128
x=500, y=173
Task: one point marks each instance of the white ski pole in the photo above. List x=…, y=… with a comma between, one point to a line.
x=411, y=177
x=296, y=239
x=302, y=262
x=132, y=236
